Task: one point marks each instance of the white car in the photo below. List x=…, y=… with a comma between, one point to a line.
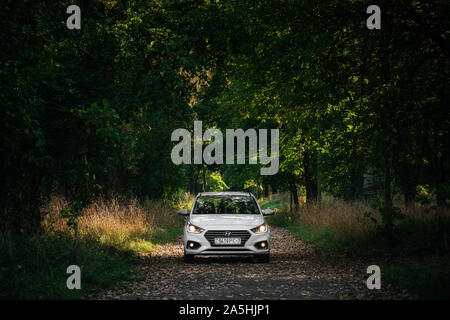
x=230, y=223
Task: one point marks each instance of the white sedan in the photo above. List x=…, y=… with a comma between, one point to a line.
x=230, y=223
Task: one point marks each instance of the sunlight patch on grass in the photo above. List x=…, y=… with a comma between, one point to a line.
x=110, y=236
x=142, y=246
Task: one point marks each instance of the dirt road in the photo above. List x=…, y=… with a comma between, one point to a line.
x=296, y=271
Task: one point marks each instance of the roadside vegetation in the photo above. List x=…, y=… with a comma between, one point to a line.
x=427, y=278
x=361, y=114
x=421, y=239
x=105, y=241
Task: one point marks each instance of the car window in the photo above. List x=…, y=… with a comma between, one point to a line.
x=225, y=205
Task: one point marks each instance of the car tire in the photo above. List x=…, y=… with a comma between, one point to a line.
x=263, y=258
x=188, y=258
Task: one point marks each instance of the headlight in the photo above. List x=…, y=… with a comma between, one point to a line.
x=193, y=229
x=261, y=228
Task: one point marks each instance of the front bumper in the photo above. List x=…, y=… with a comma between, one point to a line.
x=206, y=248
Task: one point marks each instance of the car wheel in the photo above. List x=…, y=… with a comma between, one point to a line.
x=188, y=258
x=263, y=258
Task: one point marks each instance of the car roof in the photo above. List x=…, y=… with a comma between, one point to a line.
x=225, y=193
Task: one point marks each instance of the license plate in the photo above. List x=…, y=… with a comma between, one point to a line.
x=228, y=241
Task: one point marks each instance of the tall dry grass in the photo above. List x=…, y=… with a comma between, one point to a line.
x=354, y=219
x=343, y=219
x=110, y=234
x=125, y=224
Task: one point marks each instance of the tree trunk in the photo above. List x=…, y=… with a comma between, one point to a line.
x=293, y=190
x=193, y=177
x=388, y=219
x=409, y=189
x=273, y=188
x=319, y=190
x=311, y=188
x=410, y=197
x=441, y=194
x=290, y=201
x=368, y=183
x=408, y=176
x=265, y=190
x=204, y=179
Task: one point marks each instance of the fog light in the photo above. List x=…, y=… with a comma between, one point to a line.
x=192, y=245
x=262, y=245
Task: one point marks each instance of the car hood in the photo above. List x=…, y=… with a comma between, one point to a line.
x=227, y=221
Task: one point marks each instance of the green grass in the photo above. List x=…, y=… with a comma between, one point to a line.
x=165, y=235
x=271, y=204
x=35, y=267
x=321, y=239
x=423, y=241
x=111, y=236
x=411, y=237
x=150, y=243
x=429, y=279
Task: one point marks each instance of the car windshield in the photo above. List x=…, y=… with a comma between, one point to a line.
x=225, y=205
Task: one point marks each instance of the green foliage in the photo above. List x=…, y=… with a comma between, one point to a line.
x=105, y=246
x=91, y=111
x=34, y=267
x=389, y=214
x=74, y=211
x=215, y=181
x=180, y=199
x=271, y=204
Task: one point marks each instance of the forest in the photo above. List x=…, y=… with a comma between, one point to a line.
x=88, y=114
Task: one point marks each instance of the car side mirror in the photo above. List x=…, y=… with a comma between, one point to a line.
x=268, y=212
x=183, y=212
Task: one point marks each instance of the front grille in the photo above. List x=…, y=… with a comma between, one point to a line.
x=211, y=234
x=227, y=250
